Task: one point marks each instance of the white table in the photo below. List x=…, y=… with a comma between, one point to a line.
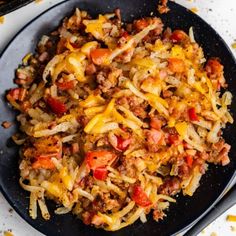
x=219, y=13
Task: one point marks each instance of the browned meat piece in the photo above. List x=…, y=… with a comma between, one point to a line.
x=220, y=152
x=90, y=69
x=170, y=187
x=140, y=24
x=167, y=93
x=162, y=7
x=135, y=104
x=83, y=120
x=108, y=79
x=87, y=217
x=117, y=12
x=158, y=215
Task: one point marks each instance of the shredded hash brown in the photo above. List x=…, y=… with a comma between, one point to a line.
x=117, y=118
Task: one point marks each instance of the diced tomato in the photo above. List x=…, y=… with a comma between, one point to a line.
x=189, y=160
x=192, y=114
x=43, y=162
x=100, y=173
x=155, y=123
x=214, y=68
x=56, y=106
x=154, y=136
x=100, y=55
x=140, y=197
x=125, y=34
x=140, y=24
x=99, y=158
x=14, y=93
x=123, y=144
x=178, y=36
x=66, y=85
x=176, y=65
x=174, y=139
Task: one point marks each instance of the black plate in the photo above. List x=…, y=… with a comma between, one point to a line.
x=11, y=5
x=180, y=215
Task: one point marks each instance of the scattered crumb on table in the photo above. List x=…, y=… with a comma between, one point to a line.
x=2, y=19
x=231, y=218
x=194, y=9
x=6, y=124
x=10, y=210
x=233, y=45
x=213, y=234
x=8, y=233
x=38, y=1
x=233, y=228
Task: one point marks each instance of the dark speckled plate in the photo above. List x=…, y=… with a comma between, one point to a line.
x=180, y=215
x=11, y=5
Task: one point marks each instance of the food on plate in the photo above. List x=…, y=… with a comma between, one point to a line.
x=117, y=118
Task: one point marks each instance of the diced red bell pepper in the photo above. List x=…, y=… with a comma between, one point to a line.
x=100, y=173
x=141, y=24
x=174, y=139
x=14, y=93
x=192, y=114
x=65, y=85
x=140, y=197
x=123, y=144
x=125, y=34
x=56, y=105
x=214, y=68
x=99, y=158
x=189, y=160
x=178, y=36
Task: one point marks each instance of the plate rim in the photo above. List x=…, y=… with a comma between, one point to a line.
x=185, y=228
x=12, y=6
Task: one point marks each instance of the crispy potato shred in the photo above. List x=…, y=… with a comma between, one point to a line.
x=116, y=119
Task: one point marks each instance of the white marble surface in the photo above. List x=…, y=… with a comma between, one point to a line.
x=219, y=13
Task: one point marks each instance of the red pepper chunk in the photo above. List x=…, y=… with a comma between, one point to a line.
x=140, y=197
x=99, y=56
x=140, y=24
x=125, y=34
x=66, y=85
x=99, y=158
x=214, y=68
x=100, y=173
x=192, y=114
x=123, y=144
x=56, y=106
x=178, y=36
x=189, y=160
x=174, y=139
